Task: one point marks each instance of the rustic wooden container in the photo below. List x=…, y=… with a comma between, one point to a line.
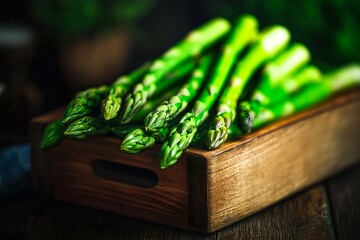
x=206, y=190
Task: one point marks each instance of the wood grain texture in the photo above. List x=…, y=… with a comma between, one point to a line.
x=283, y=158
x=344, y=196
x=209, y=190
x=66, y=173
x=303, y=216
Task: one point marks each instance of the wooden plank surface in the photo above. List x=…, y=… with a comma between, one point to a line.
x=344, y=196
x=303, y=216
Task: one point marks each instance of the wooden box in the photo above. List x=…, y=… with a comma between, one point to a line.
x=205, y=190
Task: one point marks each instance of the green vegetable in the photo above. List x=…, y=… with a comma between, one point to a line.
x=275, y=73
x=309, y=73
x=112, y=103
x=249, y=109
x=169, y=109
x=136, y=141
x=84, y=103
x=192, y=46
x=279, y=70
x=311, y=94
x=199, y=139
x=53, y=135
x=87, y=126
x=182, y=135
x=268, y=44
x=154, y=103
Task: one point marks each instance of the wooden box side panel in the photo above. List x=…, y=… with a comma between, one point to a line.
x=266, y=167
x=67, y=172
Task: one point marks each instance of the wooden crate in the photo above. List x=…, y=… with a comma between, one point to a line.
x=206, y=190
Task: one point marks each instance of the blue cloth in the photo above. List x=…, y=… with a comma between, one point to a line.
x=15, y=164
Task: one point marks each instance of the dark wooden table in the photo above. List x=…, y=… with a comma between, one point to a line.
x=328, y=210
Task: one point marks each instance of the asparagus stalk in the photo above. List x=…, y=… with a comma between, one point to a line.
x=87, y=126
x=312, y=93
x=112, y=103
x=169, y=109
x=307, y=74
x=191, y=46
x=53, y=135
x=182, y=135
x=270, y=42
x=154, y=103
x=279, y=70
x=249, y=109
x=84, y=103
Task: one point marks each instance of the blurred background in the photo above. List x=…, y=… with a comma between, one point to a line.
x=50, y=49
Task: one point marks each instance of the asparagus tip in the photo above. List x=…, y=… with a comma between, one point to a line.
x=133, y=103
x=136, y=141
x=110, y=109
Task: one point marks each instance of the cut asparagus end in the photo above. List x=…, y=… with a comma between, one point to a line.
x=247, y=116
x=136, y=141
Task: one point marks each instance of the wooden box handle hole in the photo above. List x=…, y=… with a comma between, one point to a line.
x=135, y=176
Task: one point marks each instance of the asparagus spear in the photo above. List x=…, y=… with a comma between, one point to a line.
x=182, y=135
x=154, y=103
x=191, y=46
x=84, y=103
x=279, y=70
x=169, y=109
x=53, y=135
x=312, y=93
x=270, y=42
x=111, y=104
x=249, y=109
x=136, y=141
x=87, y=126
x=309, y=73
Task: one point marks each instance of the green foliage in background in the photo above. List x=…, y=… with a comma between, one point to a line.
x=68, y=19
x=330, y=28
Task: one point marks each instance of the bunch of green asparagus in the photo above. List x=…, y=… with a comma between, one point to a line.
x=221, y=81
